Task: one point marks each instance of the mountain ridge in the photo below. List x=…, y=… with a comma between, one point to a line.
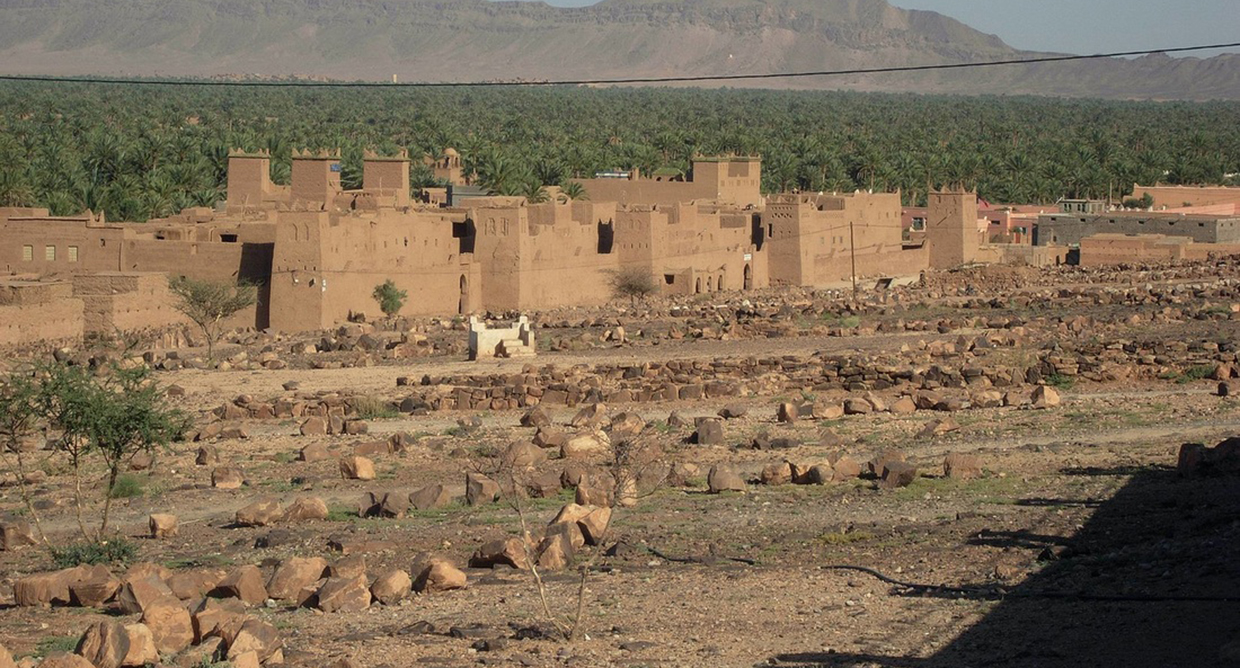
x=479, y=40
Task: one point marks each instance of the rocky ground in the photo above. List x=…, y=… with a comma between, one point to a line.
x=1001, y=448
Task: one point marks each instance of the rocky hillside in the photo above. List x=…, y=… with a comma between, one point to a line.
x=482, y=40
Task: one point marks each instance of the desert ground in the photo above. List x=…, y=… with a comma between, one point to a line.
x=813, y=523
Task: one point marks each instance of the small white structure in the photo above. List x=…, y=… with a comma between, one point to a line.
x=515, y=341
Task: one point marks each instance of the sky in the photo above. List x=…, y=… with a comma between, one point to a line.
x=1086, y=26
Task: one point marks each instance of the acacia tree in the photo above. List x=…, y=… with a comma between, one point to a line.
x=208, y=303
x=125, y=414
x=19, y=418
x=112, y=415
x=390, y=298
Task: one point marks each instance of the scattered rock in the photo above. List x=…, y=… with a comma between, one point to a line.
x=723, y=479
x=961, y=466
x=105, y=644
x=480, y=489
x=357, y=468
x=306, y=508
x=162, y=525
x=261, y=513
x=391, y=587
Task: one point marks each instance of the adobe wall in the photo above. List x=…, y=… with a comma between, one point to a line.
x=542, y=255
x=57, y=320
x=810, y=242
x=734, y=182
x=951, y=229
x=1021, y=254
x=132, y=302
x=1178, y=196
x=97, y=248
x=326, y=266
x=1111, y=249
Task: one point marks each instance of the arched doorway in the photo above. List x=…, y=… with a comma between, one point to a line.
x=463, y=306
x=697, y=286
x=748, y=285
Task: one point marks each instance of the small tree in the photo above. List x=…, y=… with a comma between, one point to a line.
x=19, y=418
x=633, y=282
x=391, y=299
x=208, y=303
x=115, y=416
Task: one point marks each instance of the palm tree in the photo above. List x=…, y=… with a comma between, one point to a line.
x=574, y=190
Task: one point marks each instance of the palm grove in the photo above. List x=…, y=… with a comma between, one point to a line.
x=143, y=152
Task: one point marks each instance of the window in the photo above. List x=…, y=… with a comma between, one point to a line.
x=49, y=253
x=228, y=238
x=27, y=253
x=73, y=253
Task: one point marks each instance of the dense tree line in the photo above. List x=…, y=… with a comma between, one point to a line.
x=142, y=152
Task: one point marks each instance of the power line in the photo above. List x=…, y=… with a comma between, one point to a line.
x=629, y=80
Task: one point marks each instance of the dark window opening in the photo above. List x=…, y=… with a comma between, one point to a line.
x=606, y=237
x=228, y=238
x=670, y=279
x=466, y=233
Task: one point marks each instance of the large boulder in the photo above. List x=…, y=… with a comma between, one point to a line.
x=244, y=583
x=306, y=508
x=138, y=593
x=344, y=594
x=357, y=468
x=261, y=513
x=105, y=644
x=142, y=650
x=439, y=575
x=723, y=479
x=44, y=589
x=504, y=552
x=391, y=587
x=171, y=627
x=480, y=490
x=294, y=574
x=255, y=636
x=95, y=587
x=430, y=497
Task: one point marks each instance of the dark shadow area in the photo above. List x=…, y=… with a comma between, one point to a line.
x=606, y=237
x=466, y=234
x=1113, y=470
x=1139, y=585
x=1025, y=540
x=1059, y=503
x=256, y=268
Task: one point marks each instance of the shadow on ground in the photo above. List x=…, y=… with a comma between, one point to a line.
x=1163, y=539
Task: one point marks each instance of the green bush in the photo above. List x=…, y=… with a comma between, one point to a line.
x=391, y=299
x=633, y=282
x=116, y=551
x=374, y=408
x=127, y=487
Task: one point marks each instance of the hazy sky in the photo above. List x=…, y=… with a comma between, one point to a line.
x=1086, y=26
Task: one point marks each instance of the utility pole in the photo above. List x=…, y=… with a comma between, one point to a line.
x=852, y=252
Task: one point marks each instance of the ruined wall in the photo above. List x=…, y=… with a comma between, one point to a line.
x=130, y=302
x=1178, y=196
x=734, y=182
x=1070, y=229
x=1111, y=249
x=387, y=179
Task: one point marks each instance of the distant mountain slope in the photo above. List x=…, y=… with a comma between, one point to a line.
x=449, y=40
